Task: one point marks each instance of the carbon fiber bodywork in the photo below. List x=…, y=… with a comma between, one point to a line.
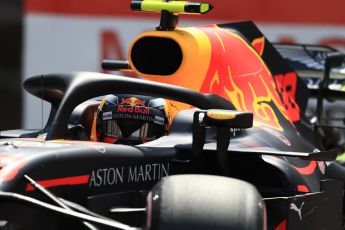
x=282, y=155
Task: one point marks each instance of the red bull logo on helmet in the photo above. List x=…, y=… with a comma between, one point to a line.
x=133, y=101
x=133, y=109
x=133, y=105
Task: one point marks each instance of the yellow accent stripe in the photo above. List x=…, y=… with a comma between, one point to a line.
x=102, y=103
x=173, y=7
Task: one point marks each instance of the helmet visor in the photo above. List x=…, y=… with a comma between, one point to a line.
x=143, y=125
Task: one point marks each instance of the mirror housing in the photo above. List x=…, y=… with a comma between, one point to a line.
x=228, y=118
x=224, y=120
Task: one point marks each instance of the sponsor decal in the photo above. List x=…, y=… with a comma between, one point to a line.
x=128, y=174
x=294, y=207
x=133, y=117
x=133, y=101
x=158, y=120
x=220, y=115
x=246, y=80
x=133, y=109
x=287, y=86
x=107, y=115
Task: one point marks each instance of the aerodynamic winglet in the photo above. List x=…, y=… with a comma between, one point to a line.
x=329, y=155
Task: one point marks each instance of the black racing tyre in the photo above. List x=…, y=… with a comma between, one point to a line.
x=204, y=202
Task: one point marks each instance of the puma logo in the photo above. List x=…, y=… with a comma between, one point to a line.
x=294, y=207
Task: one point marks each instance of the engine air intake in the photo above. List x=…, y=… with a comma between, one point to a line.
x=156, y=55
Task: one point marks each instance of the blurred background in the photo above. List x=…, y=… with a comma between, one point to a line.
x=50, y=36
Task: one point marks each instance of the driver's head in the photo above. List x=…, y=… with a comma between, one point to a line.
x=131, y=119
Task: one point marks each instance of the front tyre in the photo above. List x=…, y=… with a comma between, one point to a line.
x=205, y=202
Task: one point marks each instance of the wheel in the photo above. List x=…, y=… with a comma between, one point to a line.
x=204, y=202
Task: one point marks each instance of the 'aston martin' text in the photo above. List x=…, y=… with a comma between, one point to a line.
x=128, y=174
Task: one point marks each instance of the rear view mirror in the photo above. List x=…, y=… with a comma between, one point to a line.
x=223, y=120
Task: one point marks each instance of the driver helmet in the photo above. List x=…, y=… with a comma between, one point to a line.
x=131, y=119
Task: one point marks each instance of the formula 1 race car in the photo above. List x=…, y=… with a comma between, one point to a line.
x=240, y=152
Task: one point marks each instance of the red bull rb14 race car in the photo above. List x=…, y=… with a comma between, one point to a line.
x=212, y=135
